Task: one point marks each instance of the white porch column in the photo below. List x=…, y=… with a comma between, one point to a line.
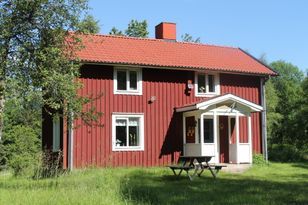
x=237, y=126
x=249, y=136
x=215, y=136
x=201, y=133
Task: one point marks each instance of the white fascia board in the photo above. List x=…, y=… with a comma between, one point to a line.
x=252, y=106
x=184, y=109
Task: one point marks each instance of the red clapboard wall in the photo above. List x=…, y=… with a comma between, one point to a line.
x=162, y=126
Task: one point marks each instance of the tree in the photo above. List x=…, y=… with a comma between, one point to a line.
x=289, y=94
x=116, y=32
x=301, y=118
x=35, y=50
x=188, y=38
x=137, y=29
x=38, y=65
x=134, y=29
x=89, y=25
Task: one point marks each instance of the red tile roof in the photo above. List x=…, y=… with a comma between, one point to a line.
x=159, y=53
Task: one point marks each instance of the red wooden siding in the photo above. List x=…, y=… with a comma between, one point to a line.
x=163, y=137
x=247, y=87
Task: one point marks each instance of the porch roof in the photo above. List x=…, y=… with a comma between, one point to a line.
x=226, y=98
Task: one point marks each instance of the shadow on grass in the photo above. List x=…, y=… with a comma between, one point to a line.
x=301, y=165
x=150, y=188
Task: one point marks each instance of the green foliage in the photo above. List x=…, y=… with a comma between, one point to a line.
x=116, y=32
x=272, y=102
x=137, y=29
x=258, y=159
x=134, y=29
x=89, y=25
x=285, y=153
x=48, y=165
x=188, y=38
x=38, y=69
x=286, y=112
x=22, y=146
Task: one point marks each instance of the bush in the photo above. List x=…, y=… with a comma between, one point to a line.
x=258, y=159
x=285, y=153
x=3, y=157
x=49, y=164
x=22, y=146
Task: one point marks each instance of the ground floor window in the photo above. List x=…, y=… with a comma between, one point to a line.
x=56, y=133
x=208, y=130
x=127, y=132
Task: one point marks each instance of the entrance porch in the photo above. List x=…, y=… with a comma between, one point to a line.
x=220, y=127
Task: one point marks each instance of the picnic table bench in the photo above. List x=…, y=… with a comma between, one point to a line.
x=196, y=163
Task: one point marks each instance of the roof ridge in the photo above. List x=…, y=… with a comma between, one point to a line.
x=160, y=40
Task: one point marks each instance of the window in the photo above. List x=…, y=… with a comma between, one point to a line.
x=56, y=133
x=207, y=85
x=208, y=130
x=127, y=132
x=127, y=81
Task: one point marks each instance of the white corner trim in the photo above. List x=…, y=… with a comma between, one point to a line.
x=141, y=132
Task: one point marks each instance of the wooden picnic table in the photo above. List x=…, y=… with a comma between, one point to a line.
x=196, y=163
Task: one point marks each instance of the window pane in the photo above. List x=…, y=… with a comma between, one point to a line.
x=211, y=83
x=133, y=135
x=201, y=83
x=56, y=134
x=121, y=126
x=208, y=131
x=133, y=80
x=121, y=78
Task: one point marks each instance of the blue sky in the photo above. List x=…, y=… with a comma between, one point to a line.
x=278, y=28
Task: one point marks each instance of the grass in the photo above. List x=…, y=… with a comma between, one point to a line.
x=273, y=184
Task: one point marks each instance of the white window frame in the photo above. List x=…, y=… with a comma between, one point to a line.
x=141, y=132
x=56, y=133
x=128, y=91
x=207, y=93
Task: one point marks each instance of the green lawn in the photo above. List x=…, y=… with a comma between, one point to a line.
x=274, y=184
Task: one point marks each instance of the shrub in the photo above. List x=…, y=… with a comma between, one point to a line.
x=285, y=153
x=3, y=157
x=48, y=165
x=258, y=159
x=22, y=146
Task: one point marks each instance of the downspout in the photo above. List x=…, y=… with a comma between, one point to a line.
x=264, y=128
x=70, y=142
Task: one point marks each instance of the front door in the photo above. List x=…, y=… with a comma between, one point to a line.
x=223, y=139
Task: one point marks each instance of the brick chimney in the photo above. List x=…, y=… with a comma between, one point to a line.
x=166, y=31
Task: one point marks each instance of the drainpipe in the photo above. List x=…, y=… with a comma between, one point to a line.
x=264, y=129
x=70, y=142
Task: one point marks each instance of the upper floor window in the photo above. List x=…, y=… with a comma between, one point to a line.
x=127, y=81
x=206, y=84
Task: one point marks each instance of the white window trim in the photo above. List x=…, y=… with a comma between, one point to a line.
x=141, y=132
x=127, y=92
x=56, y=133
x=216, y=84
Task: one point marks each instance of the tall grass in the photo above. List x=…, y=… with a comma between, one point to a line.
x=273, y=184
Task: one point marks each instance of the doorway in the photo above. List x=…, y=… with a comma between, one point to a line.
x=223, y=139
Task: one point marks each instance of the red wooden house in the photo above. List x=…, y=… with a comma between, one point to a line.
x=163, y=99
